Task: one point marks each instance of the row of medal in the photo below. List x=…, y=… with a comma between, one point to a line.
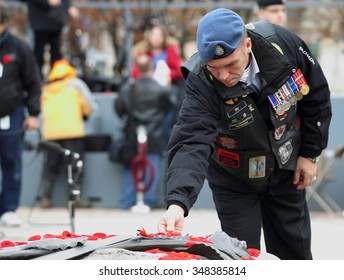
x=288, y=95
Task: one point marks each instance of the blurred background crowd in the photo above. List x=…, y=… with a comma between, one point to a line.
x=99, y=40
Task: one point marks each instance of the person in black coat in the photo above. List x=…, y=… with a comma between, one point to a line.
x=20, y=91
x=143, y=102
x=47, y=19
x=254, y=121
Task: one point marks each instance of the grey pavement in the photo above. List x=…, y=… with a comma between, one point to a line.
x=327, y=229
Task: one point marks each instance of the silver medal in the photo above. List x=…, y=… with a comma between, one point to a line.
x=280, y=111
x=286, y=106
x=293, y=100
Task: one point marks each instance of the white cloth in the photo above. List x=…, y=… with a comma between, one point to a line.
x=162, y=73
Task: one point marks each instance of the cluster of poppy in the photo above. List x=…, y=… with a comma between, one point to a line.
x=65, y=234
x=168, y=255
x=254, y=253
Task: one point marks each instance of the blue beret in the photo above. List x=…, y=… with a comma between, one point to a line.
x=219, y=33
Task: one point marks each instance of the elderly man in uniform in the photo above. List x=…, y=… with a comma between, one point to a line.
x=254, y=120
x=273, y=10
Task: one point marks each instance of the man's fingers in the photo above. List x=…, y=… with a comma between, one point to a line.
x=297, y=174
x=167, y=224
x=171, y=227
x=172, y=220
x=162, y=226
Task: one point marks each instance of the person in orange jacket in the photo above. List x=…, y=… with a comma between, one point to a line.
x=66, y=103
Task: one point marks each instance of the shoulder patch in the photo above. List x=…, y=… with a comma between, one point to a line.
x=277, y=47
x=250, y=26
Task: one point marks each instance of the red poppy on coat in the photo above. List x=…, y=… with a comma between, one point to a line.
x=7, y=59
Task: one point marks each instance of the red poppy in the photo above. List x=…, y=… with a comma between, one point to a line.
x=7, y=59
x=67, y=234
x=179, y=256
x=253, y=252
x=96, y=236
x=199, y=238
x=245, y=259
x=144, y=233
x=49, y=235
x=34, y=237
x=92, y=237
x=111, y=235
x=155, y=251
x=100, y=235
x=7, y=243
x=20, y=243
x=173, y=233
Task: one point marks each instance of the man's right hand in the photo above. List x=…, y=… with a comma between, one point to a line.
x=172, y=220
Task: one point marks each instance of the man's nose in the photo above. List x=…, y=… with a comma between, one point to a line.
x=223, y=75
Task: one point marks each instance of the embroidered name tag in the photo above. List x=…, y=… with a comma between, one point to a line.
x=240, y=116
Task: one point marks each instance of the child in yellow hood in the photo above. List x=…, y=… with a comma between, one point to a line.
x=66, y=103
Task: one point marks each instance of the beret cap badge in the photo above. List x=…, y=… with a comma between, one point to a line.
x=219, y=50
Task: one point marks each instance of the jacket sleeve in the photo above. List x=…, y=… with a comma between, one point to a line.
x=121, y=102
x=190, y=145
x=174, y=62
x=86, y=95
x=31, y=79
x=315, y=107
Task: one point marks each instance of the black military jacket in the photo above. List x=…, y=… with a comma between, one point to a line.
x=253, y=144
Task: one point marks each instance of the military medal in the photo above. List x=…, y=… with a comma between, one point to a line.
x=276, y=104
x=286, y=105
x=280, y=111
x=301, y=82
x=280, y=93
x=299, y=95
x=293, y=85
x=305, y=89
x=289, y=93
x=293, y=100
x=279, y=101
